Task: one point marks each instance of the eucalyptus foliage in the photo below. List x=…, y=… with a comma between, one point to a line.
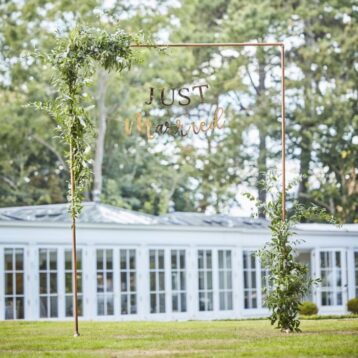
x=289, y=281
x=74, y=61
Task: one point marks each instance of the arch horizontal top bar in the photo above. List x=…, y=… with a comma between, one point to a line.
x=220, y=44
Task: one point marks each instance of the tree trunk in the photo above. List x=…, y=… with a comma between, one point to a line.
x=306, y=141
x=262, y=159
x=102, y=124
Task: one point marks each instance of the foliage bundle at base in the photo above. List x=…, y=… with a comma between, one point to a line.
x=288, y=279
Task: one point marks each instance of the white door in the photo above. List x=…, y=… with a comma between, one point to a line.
x=333, y=286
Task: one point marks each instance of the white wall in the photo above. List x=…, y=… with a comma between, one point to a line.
x=32, y=236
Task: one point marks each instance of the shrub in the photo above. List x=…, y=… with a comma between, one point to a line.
x=308, y=308
x=352, y=305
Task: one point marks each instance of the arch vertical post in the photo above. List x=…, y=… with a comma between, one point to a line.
x=283, y=132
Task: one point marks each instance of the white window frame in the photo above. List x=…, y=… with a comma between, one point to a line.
x=105, y=294
x=48, y=271
x=207, y=292
x=250, y=290
x=128, y=271
x=334, y=289
x=225, y=271
x=80, y=295
x=157, y=272
x=14, y=296
x=180, y=273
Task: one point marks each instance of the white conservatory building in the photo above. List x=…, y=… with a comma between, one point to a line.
x=179, y=266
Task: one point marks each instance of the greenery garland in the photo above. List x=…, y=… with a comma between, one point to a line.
x=75, y=60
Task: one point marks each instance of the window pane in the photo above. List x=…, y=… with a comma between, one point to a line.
x=9, y=308
x=20, y=308
x=210, y=301
x=68, y=260
x=222, y=301
x=79, y=282
x=99, y=259
x=109, y=259
x=202, y=301
x=42, y=259
x=132, y=281
x=221, y=280
x=100, y=305
x=100, y=282
x=253, y=279
x=229, y=301
x=124, y=286
x=43, y=282
x=209, y=282
x=253, y=260
x=161, y=281
x=229, y=280
x=183, y=302
x=175, y=278
x=110, y=306
x=201, y=281
x=208, y=260
x=19, y=257
x=182, y=281
x=152, y=281
x=182, y=259
x=162, y=302
x=221, y=259
x=153, y=303
x=8, y=284
x=201, y=259
x=228, y=259
x=152, y=259
x=132, y=259
x=338, y=259
x=53, y=282
x=68, y=306
x=124, y=304
x=79, y=259
x=109, y=282
x=123, y=259
x=174, y=259
x=133, y=304
x=245, y=260
x=161, y=259
x=53, y=260
x=8, y=259
x=175, y=302
x=43, y=307
x=19, y=283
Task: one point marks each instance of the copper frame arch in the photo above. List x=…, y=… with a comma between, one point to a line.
x=283, y=138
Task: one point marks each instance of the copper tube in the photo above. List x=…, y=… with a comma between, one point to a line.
x=220, y=44
x=283, y=132
x=74, y=250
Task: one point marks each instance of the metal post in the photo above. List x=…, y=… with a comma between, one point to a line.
x=283, y=132
x=74, y=251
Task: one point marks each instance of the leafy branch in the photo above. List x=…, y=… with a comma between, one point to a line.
x=288, y=278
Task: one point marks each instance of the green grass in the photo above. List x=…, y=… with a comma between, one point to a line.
x=250, y=338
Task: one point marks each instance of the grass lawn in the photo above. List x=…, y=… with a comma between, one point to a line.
x=251, y=338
